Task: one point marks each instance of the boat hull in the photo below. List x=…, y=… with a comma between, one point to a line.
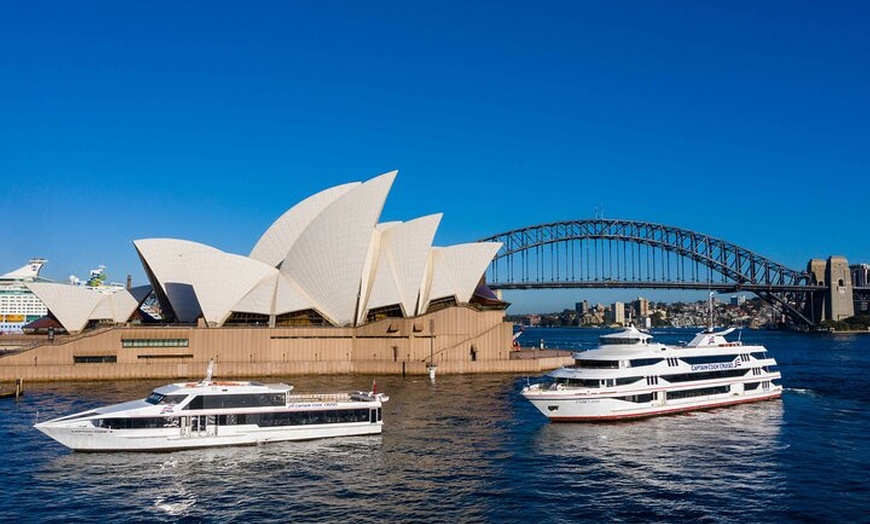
x=572, y=408
x=85, y=437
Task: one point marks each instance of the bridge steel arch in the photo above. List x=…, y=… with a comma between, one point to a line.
x=608, y=253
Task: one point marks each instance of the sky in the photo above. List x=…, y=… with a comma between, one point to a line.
x=205, y=121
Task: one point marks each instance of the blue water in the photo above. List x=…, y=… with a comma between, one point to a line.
x=470, y=449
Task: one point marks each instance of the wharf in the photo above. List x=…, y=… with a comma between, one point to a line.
x=17, y=391
x=173, y=353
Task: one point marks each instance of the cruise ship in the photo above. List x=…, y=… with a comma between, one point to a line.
x=213, y=413
x=629, y=376
x=18, y=305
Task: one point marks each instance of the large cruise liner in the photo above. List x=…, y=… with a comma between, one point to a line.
x=629, y=376
x=18, y=305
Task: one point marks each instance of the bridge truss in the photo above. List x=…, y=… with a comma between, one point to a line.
x=607, y=253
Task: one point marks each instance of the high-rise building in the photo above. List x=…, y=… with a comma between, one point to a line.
x=618, y=309
x=860, y=275
x=641, y=307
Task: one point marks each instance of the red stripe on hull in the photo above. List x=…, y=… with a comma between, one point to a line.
x=608, y=418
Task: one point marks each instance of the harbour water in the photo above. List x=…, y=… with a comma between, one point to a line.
x=470, y=449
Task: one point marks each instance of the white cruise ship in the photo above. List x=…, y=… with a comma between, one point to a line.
x=18, y=305
x=629, y=376
x=218, y=413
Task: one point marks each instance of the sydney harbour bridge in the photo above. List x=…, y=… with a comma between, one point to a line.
x=608, y=253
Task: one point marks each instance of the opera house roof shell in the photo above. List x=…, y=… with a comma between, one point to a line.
x=327, y=256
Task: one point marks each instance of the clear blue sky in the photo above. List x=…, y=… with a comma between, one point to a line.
x=747, y=121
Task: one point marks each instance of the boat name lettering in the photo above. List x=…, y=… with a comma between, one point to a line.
x=718, y=365
x=313, y=404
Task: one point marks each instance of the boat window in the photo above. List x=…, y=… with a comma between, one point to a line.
x=155, y=398
x=596, y=364
x=304, y=418
x=159, y=398
x=627, y=380
x=750, y=386
x=646, y=397
x=250, y=400
x=689, y=393
x=640, y=362
x=610, y=341
x=579, y=382
x=136, y=423
x=759, y=355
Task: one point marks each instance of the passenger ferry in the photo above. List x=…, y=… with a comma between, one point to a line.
x=629, y=376
x=218, y=413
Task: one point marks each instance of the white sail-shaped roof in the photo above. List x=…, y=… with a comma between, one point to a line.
x=327, y=259
x=221, y=280
x=164, y=259
x=261, y=298
x=404, y=251
x=117, y=307
x=369, y=268
x=328, y=253
x=71, y=305
x=456, y=270
x=289, y=297
x=273, y=246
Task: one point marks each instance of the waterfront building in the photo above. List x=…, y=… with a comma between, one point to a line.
x=326, y=289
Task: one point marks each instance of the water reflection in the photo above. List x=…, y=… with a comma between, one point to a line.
x=464, y=449
x=708, y=457
x=229, y=481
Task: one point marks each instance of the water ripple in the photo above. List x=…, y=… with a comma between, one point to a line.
x=470, y=449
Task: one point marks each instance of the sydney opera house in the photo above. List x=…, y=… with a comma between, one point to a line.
x=328, y=288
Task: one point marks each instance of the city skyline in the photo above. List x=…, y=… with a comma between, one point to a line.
x=206, y=121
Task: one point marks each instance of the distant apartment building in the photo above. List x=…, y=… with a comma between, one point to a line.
x=618, y=313
x=641, y=307
x=860, y=275
x=861, y=278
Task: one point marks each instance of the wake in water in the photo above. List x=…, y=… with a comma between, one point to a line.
x=802, y=391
